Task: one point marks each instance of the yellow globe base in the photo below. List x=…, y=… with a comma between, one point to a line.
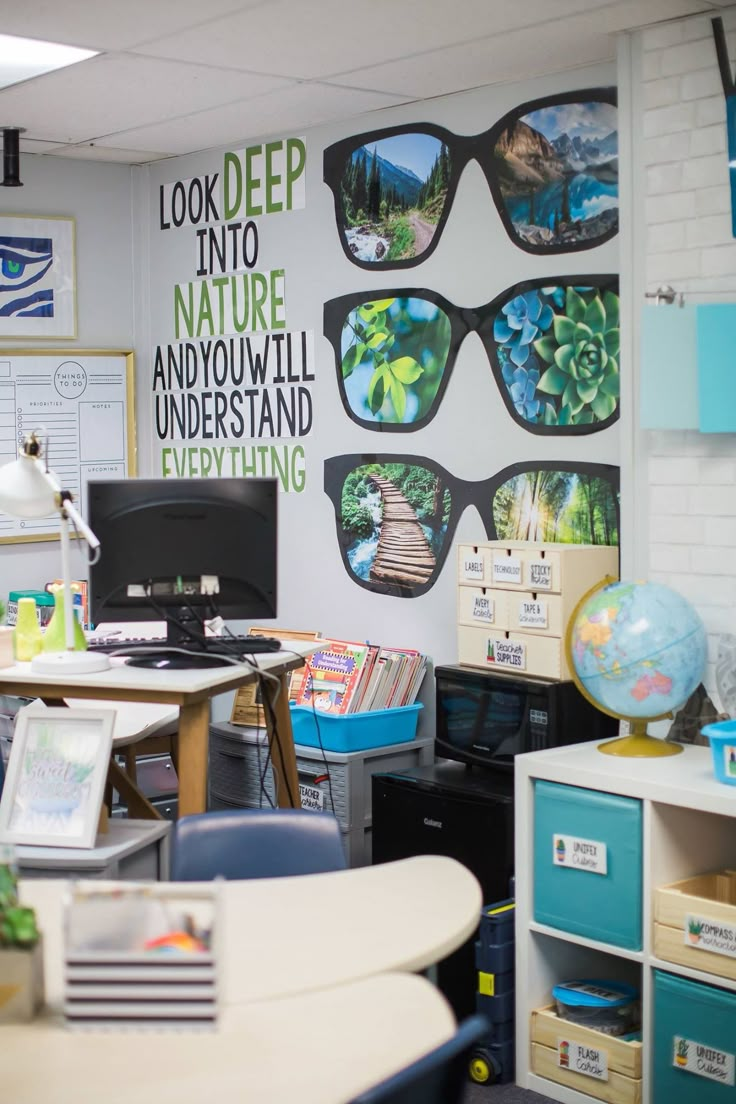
x=639, y=746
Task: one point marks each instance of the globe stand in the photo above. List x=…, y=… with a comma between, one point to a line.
x=639, y=745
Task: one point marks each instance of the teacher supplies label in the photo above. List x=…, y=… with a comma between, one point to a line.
x=473, y=568
x=507, y=569
x=710, y=935
x=587, y=855
x=483, y=609
x=590, y=1061
x=540, y=575
x=705, y=1061
x=312, y=798
x=506, y=653
x=533, y=615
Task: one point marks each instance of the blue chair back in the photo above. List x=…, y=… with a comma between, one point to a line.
x=255, y=843
x=440, y=1077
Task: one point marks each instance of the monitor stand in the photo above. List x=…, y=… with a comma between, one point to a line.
x=182, y=651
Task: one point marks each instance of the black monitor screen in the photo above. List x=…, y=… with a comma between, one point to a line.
x=174, y=549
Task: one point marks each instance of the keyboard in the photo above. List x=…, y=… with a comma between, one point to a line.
x=216, y=645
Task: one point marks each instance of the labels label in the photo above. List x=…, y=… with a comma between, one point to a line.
x=540, y=575
x=312, y=798
x=473, y=568
x=590, y=856
x=507, y=569
x=533, y=615
x=482, y=609
x=590, y=1061
x=716, y=936
x=705, y=1061
x=506, y=653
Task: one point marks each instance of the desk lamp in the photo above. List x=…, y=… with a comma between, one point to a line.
x=29, y=490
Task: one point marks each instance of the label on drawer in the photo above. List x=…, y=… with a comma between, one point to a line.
x=587, y=855
x=705, y=1061
x=710, y=935
x=312, y=798
x=507, y=569
x=532, y=615
x=540, y=575
x=482, y=609
x=590, y=1061
x=473, y=568
x=506, y=653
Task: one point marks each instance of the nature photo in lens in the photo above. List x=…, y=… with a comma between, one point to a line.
x=569, y=507
x=394, y=353
x=394, y=517
x=558, y=172
x=392, y=194
x=557, y=349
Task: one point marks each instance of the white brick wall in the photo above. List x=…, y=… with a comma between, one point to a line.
x=692, y=476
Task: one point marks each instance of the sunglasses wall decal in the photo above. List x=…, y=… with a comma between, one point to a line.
x=396, y=515
x=551, y=165
x=553, y=345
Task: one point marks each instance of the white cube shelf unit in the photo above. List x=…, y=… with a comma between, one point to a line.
x=688, y=827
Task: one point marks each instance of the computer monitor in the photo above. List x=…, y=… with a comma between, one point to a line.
x=182, y=551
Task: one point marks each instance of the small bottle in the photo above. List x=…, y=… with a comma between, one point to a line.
x=27, y=637
x=54, y=639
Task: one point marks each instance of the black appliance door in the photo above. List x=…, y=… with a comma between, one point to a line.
x=476, y=828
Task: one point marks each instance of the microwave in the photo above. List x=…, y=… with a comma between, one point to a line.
x=485, y=718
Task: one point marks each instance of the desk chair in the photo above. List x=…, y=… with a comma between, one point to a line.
x=255, y=843
x=439, y=1077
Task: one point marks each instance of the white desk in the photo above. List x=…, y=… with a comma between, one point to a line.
x=322, y=1047
x=289, y=935
x=191, y=690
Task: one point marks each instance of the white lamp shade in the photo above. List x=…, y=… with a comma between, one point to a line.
x=24, y=490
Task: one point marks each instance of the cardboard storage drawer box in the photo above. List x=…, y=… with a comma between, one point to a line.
x=694, y=1041
x=483, y=606
x=523, y=653
x=695, y=923
x=602, y=1066
x=588, y=863
x=528, y=565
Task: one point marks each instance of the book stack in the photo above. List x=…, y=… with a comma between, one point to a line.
x=140, y=956
x=345, y=677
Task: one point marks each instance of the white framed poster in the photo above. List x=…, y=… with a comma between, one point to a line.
x=56, y=776
x=37, y=276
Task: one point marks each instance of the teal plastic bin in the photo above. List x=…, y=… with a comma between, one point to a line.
x=694, y=1042
x=722, y=736
x=354, y=731
x=568, y=894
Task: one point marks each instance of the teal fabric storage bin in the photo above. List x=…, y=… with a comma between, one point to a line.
x=694, y=1042
x=568, y=823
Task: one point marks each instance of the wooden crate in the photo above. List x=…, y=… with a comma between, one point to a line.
x=692, y=917
x=623, y=1058
x=247, y=708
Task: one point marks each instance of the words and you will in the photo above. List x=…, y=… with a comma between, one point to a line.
x=234, y=375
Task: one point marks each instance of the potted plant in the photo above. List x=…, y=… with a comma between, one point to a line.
x=21, y=953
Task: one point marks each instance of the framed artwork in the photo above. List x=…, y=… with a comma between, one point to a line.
x=56, y=776
x=37, y=277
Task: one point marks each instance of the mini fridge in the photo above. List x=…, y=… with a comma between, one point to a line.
x=463, y=812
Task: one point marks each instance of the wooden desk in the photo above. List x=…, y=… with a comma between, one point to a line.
x=191, y=691
x=290, y=935
x=322, y=1047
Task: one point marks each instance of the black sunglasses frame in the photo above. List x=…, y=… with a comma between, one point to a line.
x=463, y=492
x=463, y=148
x=463, y=321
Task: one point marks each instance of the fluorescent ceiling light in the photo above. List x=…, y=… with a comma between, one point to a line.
x=23, y=58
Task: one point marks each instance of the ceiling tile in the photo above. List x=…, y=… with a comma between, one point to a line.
x=304, y=105
x=116, y=92
x=93, y=151
x=100, y=25
x=510, y=57
x=319, y=38
x=626, y=15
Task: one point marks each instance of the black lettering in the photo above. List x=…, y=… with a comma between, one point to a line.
x=213, y=214
x=163, y=225
x=180, y=195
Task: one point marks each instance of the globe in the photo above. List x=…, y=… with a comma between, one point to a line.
x=637, y=651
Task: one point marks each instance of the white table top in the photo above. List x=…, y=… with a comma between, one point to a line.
x=323, y=1047
x=122, y=679
x=290, y=935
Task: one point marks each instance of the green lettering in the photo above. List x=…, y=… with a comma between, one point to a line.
x=232, y=163
x=252, y=182
x=272, y=179
x=182, y=310
x=259, y=288
x=221, y=283
x=191, y=453
x=205, y=309
x=165, y=469
x=296, y=159
x=278, y=318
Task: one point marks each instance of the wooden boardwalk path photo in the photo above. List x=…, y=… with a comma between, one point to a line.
x=404, y=555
